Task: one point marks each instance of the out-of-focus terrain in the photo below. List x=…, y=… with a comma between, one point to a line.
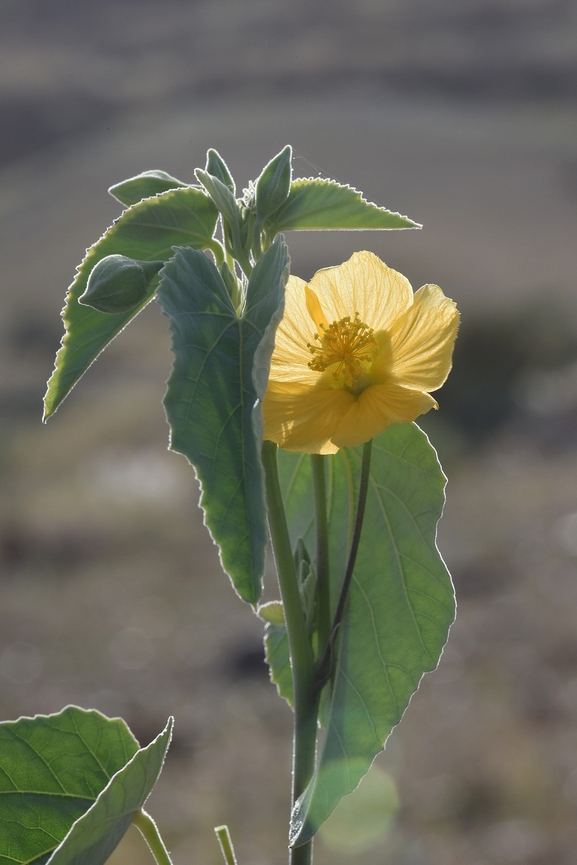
x=461, y=115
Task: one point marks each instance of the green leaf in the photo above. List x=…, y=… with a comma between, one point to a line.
x=98, y=832
x=400, y=605
x=144, y=185
x=325, y=204
x=272, y=612
x=53, y=771
x=220, y=372
x=146, y=231
x=278, y=658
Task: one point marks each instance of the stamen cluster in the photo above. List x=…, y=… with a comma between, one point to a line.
x=347, y=343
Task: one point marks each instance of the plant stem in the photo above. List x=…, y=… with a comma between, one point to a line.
x=149, y=830
x=326, y=660
x=306, y=698
x=322, y=564
x=225, y=842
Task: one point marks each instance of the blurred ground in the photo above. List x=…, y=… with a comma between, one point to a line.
x=463, y=117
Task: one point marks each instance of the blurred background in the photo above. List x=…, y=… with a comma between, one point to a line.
x=461, y=115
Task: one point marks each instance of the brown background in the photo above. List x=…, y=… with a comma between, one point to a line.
x=461, y=115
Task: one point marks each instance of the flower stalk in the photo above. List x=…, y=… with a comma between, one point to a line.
x=322, y=563
x=306, y=695
x=326, y=662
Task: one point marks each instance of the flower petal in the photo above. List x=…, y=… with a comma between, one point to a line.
x=291, y=356
x=303, y=418
x=422, y=340
x=378, y=407
x=363, y=284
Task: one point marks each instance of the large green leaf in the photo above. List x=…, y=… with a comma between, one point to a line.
x=53, y=769
x=315, y=203
x=400, y=605
x=146, y=231
x=98, y=832
x=220, y=372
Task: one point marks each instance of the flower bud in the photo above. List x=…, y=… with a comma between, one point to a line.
x=273, y=185
x=118, y=283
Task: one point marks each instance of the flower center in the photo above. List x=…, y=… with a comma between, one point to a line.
x=349, y=344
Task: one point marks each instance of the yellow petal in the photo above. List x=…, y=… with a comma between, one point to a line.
x=422, y=340
x=378, y=407
x=303, y=418
x=363, y=284
x=291, y=355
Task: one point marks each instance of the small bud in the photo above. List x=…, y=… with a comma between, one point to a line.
x=118, y=283
x=273, y=185
x=216, y=166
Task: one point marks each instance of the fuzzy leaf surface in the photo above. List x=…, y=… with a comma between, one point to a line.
x=146, y=231
x=219, y=374
x=325, y=204
x=98, y=832
x=52, y=769
x=400, y=605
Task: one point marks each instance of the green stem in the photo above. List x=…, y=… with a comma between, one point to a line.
x=225, y=842
x=322, y=564
x=217, y=250
x=325, y=664
x=149, y=830
x=306, y=698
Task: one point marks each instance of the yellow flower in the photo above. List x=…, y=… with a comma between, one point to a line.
x=355, y=352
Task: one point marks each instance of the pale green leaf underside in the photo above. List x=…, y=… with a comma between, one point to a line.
x=220, y=361
x=147, y=231
x=400, y=607
x=324, y=204
x=52, y=768
x=97, y=833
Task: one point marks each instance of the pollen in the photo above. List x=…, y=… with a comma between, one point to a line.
x=349, y=344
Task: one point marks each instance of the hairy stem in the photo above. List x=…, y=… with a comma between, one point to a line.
x=225, y=842
x=322, y=563
x=301, y=653
x=325, y=664
x=149, y=831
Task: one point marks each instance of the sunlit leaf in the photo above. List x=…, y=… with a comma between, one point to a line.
x=316, y=203
x=144, y=185
x=400, y=605
x=98, y=832
x=146, y=231
x=54, y=770
x=220, y=372
x=278, y=658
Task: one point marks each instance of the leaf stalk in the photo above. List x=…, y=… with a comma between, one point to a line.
x=325, y=665
x=151, y=835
